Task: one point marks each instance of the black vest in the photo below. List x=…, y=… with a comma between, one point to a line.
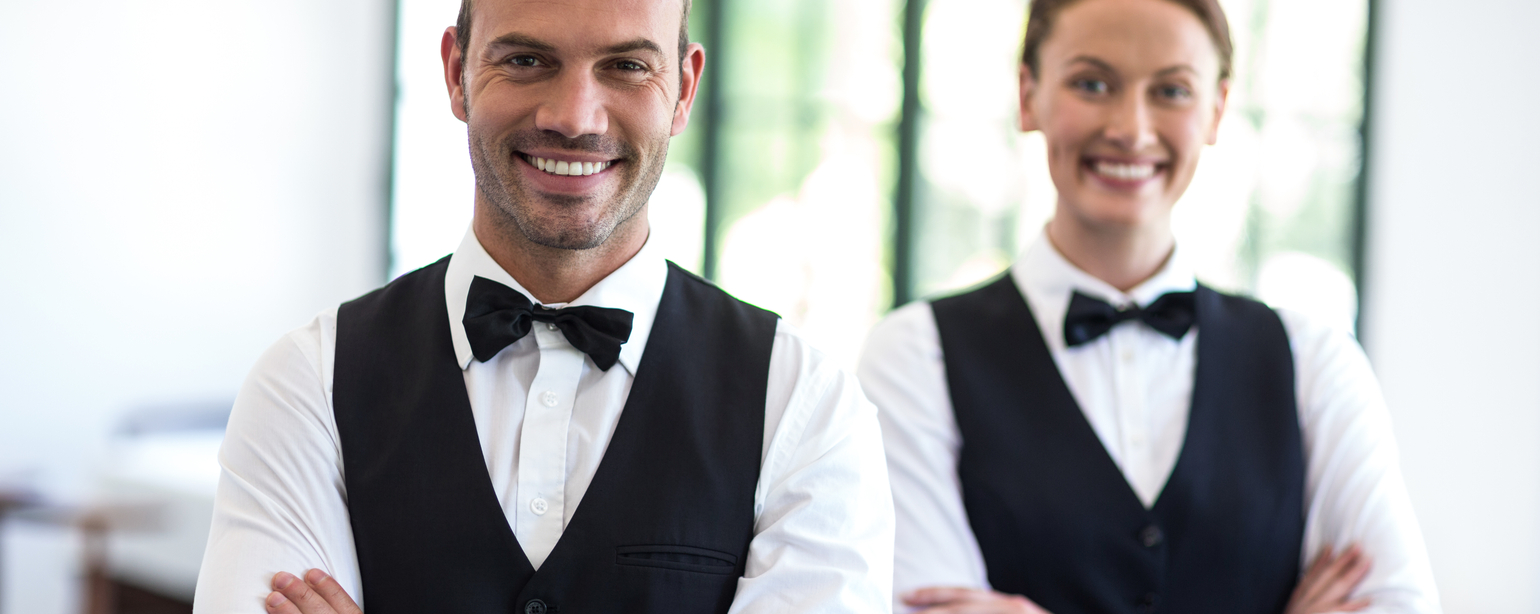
x=1055, y=518
x=664, y=526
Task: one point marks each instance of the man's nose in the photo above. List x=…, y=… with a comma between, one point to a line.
x=1131, y=125
x=574, y=106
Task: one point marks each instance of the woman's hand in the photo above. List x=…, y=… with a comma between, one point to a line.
x=1329, y=581
x=317, y=594
x=940, y=600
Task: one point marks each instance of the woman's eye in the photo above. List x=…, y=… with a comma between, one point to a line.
x=1091, y=86
x=1174, y=92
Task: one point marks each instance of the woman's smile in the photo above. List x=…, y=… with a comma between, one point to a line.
x=1124, y=175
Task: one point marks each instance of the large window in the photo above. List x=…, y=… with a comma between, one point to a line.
x=786, y=188
x=809, y=99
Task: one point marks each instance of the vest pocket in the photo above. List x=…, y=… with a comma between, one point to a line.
x=683, y=558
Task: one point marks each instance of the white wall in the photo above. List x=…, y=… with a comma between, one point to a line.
x=181, y=181
x=1453, y=297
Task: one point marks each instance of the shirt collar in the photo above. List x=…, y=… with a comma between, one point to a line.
x=1047, y=280
x=637, y=287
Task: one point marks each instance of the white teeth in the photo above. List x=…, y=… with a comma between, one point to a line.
x=558, y=167
x=1125, y=171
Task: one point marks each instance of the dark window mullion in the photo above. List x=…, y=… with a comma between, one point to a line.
x=711, y=139
x=908, y=160
x=1360, y=228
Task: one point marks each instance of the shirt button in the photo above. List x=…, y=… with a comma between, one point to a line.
x=1149, y=602
x=1136, y=439
x=538, y=506
x=549, y=398
x=535, y=606
x=550, y=326
x=1128, y=355
x=1151, y=536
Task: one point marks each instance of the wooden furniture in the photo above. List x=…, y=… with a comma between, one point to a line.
x=102, y=593
x=11, y=499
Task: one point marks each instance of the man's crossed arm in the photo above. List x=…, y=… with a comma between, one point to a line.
x=318, y=593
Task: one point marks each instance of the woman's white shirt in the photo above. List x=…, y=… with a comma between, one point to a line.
x=1135, y=387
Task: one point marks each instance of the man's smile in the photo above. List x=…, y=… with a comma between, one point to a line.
x=567, y=165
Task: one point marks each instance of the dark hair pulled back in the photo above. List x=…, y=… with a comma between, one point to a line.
x=1041, y=15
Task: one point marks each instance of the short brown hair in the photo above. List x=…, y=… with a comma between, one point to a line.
x=1040, y=20
x=463, y=28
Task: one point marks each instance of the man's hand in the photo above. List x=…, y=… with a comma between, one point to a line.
x=317, y=594
x=941, y=600
x=1329, y=581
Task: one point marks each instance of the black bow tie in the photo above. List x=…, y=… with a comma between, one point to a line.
x=1089, y=318
x=496, y=316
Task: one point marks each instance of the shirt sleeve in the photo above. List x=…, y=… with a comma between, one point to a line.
x=280, y=505
x=902, y=372
x=823, y=538
x=1354, y=489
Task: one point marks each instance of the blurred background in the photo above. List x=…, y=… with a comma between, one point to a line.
x=182, y=182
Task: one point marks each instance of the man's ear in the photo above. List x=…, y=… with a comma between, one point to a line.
x=1221, y=98
x=1028, y=84
x=454, y=73
x=691, y=67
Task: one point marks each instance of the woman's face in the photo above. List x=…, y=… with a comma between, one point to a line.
x=1129, y=94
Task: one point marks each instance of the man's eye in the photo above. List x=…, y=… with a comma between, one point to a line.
x=524, y=61
x=629, y=65
x=1091, y=86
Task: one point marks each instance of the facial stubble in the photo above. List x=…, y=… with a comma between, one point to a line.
x=563, y=221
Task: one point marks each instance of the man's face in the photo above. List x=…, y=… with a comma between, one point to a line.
x=570, y=106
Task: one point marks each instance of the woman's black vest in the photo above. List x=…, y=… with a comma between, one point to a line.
x=1055, y=518
x=666, y=523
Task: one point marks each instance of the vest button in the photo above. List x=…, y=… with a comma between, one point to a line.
x=1148, y=602
x=1151, y=537
x=535, y=606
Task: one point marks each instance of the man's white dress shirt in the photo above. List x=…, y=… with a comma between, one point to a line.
x=823, y=514
x=1135, y=387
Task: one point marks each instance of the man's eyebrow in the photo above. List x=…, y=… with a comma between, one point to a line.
x=514, y=39
x=632, y=45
